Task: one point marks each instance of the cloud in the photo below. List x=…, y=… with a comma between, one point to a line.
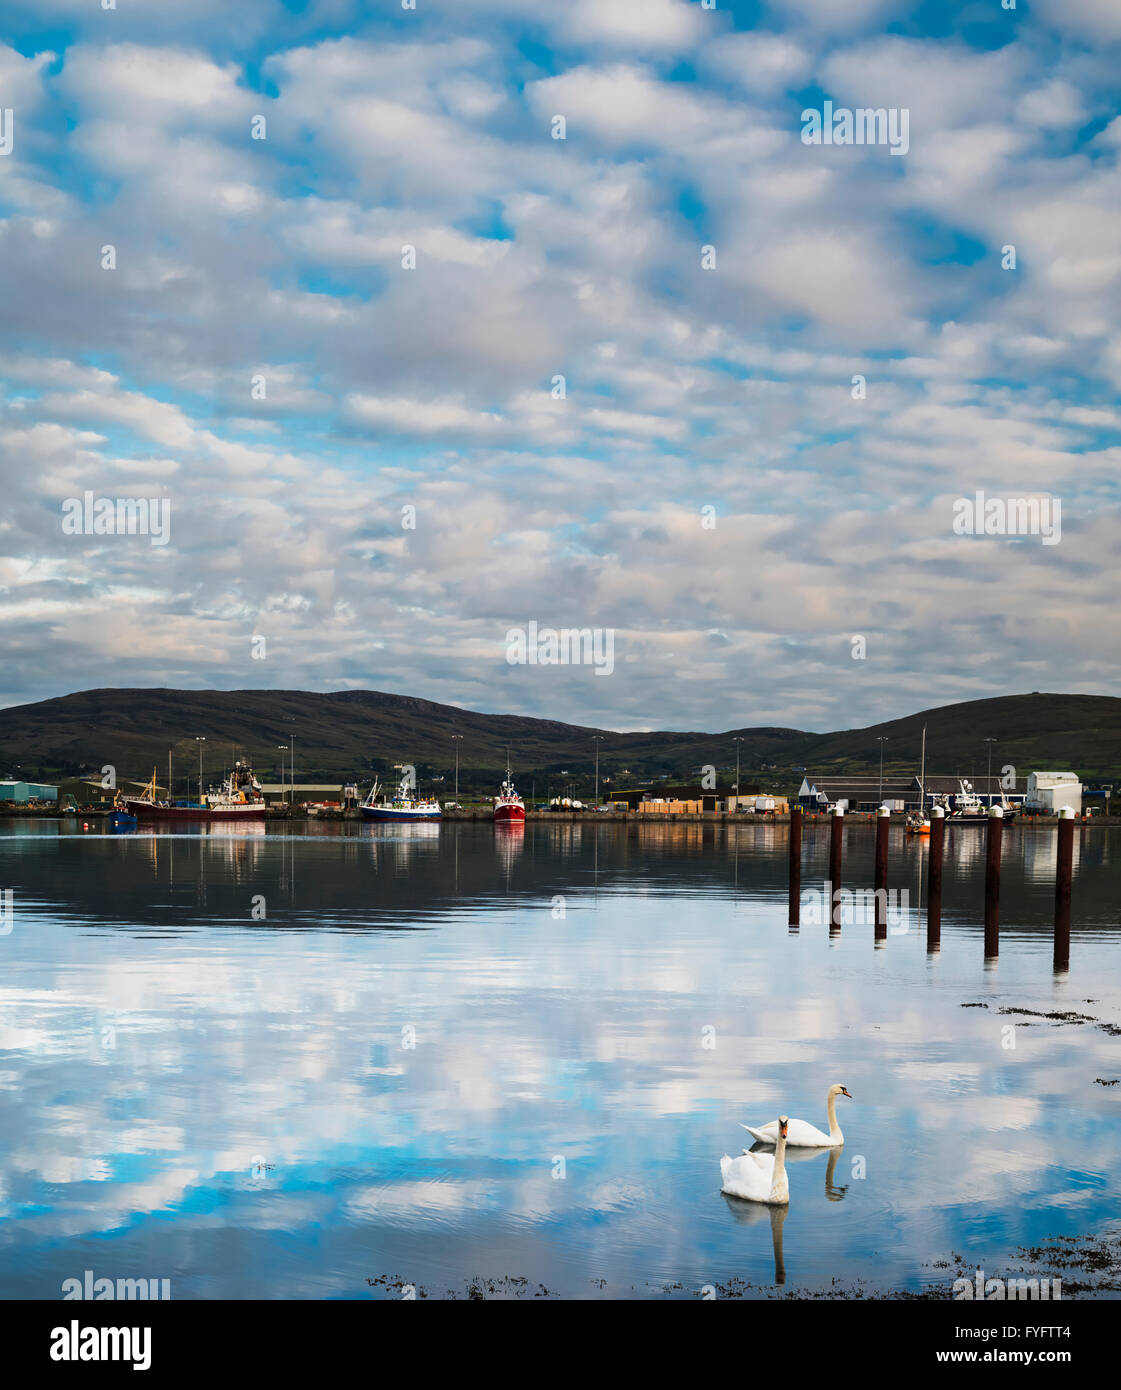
x=424, y=417
x=761, y=62
x=1092, y=20
x=561, y=385
x=634, y=24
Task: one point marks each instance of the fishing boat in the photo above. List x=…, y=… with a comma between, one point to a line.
x=968, y=808
x=238, y=798
x=120, y=818
x=918, y=822
x=405, y=806
x=509, y=808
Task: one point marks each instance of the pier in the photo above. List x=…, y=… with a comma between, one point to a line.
x=1064, y=824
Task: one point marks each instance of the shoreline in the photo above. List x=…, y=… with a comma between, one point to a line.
x=721, y=818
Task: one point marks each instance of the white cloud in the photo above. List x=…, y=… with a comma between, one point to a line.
x=760, y=62
x=538, y=259
x=1088, y=20
x=635, y=24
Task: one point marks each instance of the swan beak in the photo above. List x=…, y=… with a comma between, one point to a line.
x=846, y=1093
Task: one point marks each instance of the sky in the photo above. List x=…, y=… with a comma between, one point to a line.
x=407, y=372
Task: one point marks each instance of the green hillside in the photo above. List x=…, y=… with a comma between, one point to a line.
x=1080, y=733
x=352, y=734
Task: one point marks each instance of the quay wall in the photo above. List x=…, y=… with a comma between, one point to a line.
x=14, y=811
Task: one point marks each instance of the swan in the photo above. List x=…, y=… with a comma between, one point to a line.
x=759, y=1177
x=801, y=1135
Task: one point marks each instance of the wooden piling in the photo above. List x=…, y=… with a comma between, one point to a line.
x=795, y=865
x=836, y=843
x=1064, y=875
x=883, y=827
x=934, y=896
x=995, y=833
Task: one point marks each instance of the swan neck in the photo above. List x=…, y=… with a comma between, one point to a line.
x=779, y=1175
x=834, y=1127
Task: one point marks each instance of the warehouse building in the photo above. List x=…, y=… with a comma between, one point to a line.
x=1052, y=791
x=27, y=791
x=709, y=798
x=91, y=791
x=819, y=790
x=321, y=793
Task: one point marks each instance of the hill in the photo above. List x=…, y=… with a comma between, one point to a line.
x=351, y=734
x=1080, y=733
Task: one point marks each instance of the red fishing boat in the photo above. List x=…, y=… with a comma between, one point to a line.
x=509, y=808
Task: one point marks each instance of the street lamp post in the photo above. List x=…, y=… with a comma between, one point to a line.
x=989, y=779
x=597, y=741
x=457, y=739
x=283, y=749
x=737, y=742
x=881, y=742
x=200, y=742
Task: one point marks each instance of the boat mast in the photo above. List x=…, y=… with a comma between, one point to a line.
x=922, y=775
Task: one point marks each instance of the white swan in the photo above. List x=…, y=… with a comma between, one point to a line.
x=759, y=1177
x=801, y=1135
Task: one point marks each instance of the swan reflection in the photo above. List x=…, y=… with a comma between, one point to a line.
x=752, y=1213
x=832, y=1192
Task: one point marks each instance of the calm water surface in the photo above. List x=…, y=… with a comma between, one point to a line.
x=449, y=1051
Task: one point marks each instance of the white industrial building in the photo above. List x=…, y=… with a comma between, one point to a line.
x=1051, y=791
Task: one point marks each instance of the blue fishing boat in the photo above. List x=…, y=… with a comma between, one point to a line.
x=121, y=820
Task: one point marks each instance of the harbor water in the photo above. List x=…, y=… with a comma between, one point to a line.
x=354, y=1061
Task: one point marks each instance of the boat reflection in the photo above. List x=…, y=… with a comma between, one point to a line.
x=509, y=842
x=404, y=830
x=400, y=842
x=213, y=830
